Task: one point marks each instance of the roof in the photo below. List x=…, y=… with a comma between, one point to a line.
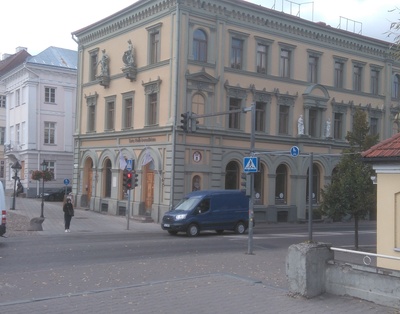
x=55, y=56
x=13, y=61
x=387, y=150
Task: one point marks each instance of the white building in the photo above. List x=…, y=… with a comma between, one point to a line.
x=40, y=97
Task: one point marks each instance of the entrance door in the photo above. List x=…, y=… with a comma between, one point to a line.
x=149, y=190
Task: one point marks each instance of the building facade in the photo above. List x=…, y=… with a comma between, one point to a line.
x=40, y=96
x=385, y=160
x=141, y=68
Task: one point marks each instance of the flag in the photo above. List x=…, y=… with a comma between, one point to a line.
x=147, y=158
x=122, y=161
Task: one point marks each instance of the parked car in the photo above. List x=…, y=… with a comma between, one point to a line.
x=57, y=195
x=3, y=210
x=217, y=210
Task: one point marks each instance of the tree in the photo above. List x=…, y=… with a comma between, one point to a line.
x=394, y=31
x=351, y=191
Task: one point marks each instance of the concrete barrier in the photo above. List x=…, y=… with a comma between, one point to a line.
x=311, y=270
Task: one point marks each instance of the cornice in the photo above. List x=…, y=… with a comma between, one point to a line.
x=240, y=13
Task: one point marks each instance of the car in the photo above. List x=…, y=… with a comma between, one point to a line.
x=3, y=210
x=57, y=195
x=217, y=210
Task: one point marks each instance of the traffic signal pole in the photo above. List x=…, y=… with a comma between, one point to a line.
x=251, y=200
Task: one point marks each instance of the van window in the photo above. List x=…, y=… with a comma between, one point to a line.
x=204, y=205
x=187, y=204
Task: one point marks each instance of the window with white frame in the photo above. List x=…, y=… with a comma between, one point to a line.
x=17, y=133
x=284, y=119
x=339, y=69
x=51, y=166
x=237, y=53
x=313, y=66
x=17, y=97
x=50, y=95
x=49, y=132
x=198, y=106
x=3, y=101
x=338, y=126
x=2, y=135
x=152, y=109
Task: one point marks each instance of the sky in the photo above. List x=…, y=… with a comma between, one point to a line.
x=40, y=24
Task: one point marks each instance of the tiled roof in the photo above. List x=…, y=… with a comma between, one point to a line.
x=388, y=149
x=55, y=56
x=13, y=61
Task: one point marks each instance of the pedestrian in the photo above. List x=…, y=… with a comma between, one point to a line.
x=68, y=209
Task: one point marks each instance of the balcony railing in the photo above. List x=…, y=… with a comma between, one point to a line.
x=12, y=147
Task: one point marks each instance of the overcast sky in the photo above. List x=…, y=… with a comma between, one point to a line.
x=40, y=24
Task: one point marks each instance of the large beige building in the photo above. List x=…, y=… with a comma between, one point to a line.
x=142, y=67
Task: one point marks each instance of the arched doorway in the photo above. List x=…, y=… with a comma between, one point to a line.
x=87, y=182
x=148, y=186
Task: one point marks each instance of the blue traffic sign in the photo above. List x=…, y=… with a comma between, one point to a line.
x=66, y=181
x=250, y=164
x=129, y=163
x=294, y=151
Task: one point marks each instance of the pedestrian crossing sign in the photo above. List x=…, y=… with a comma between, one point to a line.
x=250, y=164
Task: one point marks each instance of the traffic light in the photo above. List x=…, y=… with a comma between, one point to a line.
x=245, y=183
x=195, y=122
x=185, y=121
x=136, y=180
x=124, y=178
x=129, y=180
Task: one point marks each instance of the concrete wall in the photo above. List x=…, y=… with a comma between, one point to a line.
x=311, y=270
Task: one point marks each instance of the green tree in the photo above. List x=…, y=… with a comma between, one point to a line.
x=351, y=191
x=394, y=31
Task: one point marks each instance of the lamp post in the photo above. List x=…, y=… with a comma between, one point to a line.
x=16, y=166
x=44, y=168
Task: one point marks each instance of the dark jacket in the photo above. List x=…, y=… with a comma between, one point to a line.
x=68, y=209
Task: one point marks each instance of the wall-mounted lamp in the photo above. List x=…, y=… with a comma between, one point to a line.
x=373, y=179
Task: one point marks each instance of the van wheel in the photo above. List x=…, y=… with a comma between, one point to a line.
x=240, y=227
x=219, y=231
x=192, y=230
x=172, y=232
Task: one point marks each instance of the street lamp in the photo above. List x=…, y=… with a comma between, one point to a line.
x=44, y=168
x=16, y=166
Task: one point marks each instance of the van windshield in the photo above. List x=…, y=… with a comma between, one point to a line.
x=187, y=204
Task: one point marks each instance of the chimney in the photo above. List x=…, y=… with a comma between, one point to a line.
x=19, y=48
x=4, y=56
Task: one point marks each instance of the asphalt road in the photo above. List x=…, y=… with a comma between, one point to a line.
x=54, y=264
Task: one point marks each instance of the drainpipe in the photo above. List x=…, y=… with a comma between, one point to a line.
x=175, y=108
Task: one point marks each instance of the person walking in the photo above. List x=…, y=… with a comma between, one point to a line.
x=68, y=209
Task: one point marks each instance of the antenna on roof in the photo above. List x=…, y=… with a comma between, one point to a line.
x=345, y=26
x=294, y=4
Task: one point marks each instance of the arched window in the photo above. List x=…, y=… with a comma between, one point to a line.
x=396, y=86
x=196, y=183
x=232, y=176
x=107, y=178
x=315, y=183
x=198, y=106
x=200, y=45
x=281, y=185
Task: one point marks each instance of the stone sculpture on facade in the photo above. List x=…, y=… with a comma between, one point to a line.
x=300, y=125
x=129, y=59
x=104, y=76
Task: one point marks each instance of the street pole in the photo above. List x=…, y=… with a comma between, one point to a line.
x=251, y=200
x=15, y=184
x=41, y=210
x=128, y=209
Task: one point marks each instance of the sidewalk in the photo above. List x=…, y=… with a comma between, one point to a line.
x=84, y=221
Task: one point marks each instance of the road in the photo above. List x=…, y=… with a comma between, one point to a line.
x=51, y=267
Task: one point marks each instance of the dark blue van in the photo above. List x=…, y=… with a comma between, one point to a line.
x=217, y=210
